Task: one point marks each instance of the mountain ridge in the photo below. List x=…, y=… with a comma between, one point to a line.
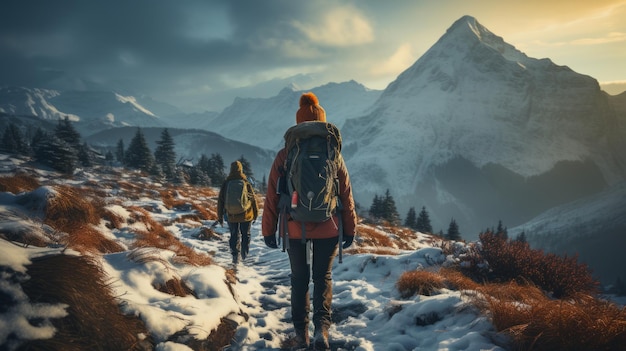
x=465, y=105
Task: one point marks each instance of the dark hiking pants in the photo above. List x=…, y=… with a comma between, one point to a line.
x=324, y=251
x=236, y=245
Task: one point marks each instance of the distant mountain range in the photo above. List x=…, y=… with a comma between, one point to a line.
x=474, y=130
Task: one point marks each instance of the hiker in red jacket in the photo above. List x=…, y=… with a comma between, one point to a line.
x=322, y=235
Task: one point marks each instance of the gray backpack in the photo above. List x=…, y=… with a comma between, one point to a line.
x=311, y=170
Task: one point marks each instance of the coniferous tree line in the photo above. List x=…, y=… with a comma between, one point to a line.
x=384, y=208
x=60, y=149
x=63, y=150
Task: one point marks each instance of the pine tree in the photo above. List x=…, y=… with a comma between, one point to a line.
x=109, y=157
x=56, y=153
x=65, y=131
x=13, y=141
x=165, y=155
x=411, y=219
x=521, y=237
x=501, y=231
x=199, y=177
x=138, y=154
x=204, y=164
x=423, y=222
x=453, y=231
x=86, y=158
x=39, y=136
x=119, y=151
x=390, y=213
x=247, y=168
x=216, y=171
x=376, y=207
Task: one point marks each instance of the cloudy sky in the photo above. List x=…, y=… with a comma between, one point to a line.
x=189, y=52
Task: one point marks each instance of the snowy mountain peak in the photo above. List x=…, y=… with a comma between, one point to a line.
x=475, y=106
x=468, y=30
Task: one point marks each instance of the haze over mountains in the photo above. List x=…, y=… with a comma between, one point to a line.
x=474, y=130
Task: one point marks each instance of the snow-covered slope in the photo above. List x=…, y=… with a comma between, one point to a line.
x=263, y=122
x=473, y=102
x=592, y=227
x=92, y=110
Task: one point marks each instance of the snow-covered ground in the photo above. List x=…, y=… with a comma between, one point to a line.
x=369, y=313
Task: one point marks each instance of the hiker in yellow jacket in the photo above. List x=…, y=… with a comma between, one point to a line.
x=239, y=220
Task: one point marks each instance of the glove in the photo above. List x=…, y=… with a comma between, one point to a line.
x=270, y=241
x=347, y=241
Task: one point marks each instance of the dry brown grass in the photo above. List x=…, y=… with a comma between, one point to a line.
x=175, y=287
x=420, y=283
x=87, y=238
x=372, y=237
x=114, y=220
x=75, y=211
x=94, y=320
x=18, y=183
x=73, y=214
x=206, y=213
x=219, y=338
x=69, y=209
x=157, y=236
x=579, y=323
x=430, y=283
x=457, y=280
x=524, y=312
x=404, y=235
x=170, y=199
x=372, y=250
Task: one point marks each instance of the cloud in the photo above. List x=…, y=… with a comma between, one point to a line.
x=342, y=26
x=612, y=37
x=398, y=62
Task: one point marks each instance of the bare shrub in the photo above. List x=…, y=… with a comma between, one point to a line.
x=514, y=260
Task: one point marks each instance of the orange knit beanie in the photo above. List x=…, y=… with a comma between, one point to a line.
x=310, y=109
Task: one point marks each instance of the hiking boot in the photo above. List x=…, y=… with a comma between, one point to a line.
x=299, y=342
x=321, y=340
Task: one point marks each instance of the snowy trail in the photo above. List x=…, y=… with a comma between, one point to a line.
x=368, y=314
x=263, y=291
